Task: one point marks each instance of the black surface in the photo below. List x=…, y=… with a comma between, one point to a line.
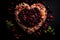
x=54, y=6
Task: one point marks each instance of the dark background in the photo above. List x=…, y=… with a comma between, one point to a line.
x=53, y=4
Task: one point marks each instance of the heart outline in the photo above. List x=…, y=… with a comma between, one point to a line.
x=40, y=7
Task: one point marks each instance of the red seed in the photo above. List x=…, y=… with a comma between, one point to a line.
x=38, y=33
x=9, y=9
x=26, y=6
x=30, y=18
x=17, y=37
x=32, y=24
x=25, y=17
x=46, y=25
x=33, y=16
x=51, y=16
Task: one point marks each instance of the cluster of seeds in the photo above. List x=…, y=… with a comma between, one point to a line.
x=29, y=18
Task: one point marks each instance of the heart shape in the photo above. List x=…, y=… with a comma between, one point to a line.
x=30, y=18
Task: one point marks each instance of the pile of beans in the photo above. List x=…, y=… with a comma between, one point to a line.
x=29, y=18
